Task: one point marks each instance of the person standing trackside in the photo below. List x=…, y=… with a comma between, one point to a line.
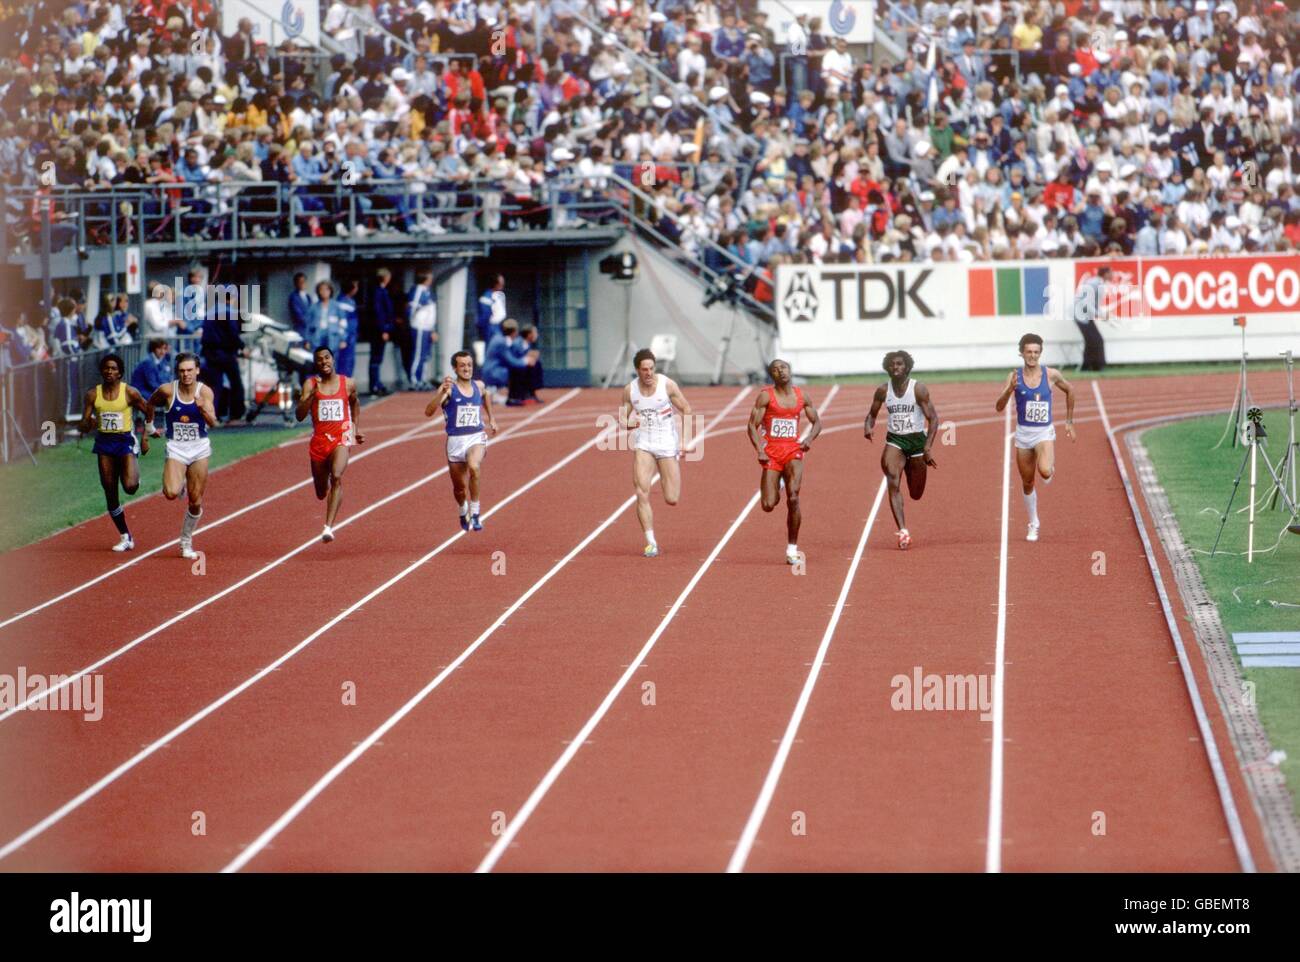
x=1088, y=309
x=347, y=305
x=422, y=314
x=300, y=309
x=222, y=346
x=384, y=318
x=491, y=312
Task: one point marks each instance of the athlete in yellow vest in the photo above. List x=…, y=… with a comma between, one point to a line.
x=109, y=408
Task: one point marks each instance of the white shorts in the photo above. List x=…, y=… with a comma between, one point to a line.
x=458, y=445
x=187, y=452
x=669, y=451
x=1028, y=438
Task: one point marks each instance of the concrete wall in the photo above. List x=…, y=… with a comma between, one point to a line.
x=666, y=299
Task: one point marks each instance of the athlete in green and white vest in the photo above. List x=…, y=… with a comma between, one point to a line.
x=908, y=439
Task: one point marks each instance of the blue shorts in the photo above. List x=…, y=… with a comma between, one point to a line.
x=115, y=444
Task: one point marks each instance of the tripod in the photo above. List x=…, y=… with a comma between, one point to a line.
x=1241, y=399
x=1287, y=468
x=1252, y=437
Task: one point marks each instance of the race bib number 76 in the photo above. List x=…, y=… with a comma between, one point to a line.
x=785, y=427
x=110, y=420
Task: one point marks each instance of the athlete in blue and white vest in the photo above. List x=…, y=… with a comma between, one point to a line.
x=1035, y=431
x=190, y=411
x=470, y=422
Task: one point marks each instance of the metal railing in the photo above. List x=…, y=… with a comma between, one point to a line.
x=39, y=400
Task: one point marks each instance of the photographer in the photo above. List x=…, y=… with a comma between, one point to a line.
x=1088, y=310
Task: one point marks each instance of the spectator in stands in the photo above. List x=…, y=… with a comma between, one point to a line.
x=69, y=335
x=326, y=323
x=112, y=325
x=159, y=317
x=154, y=370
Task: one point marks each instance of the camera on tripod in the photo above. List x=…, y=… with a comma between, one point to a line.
x=725, y=289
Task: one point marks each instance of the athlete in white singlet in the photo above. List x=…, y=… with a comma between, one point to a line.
x=652, y=405
x=907, y=441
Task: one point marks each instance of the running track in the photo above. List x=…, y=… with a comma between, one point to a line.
x=539, y=697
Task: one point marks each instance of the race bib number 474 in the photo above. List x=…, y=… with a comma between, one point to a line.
x=1037, y=412
x=330, y=409
x=467, y=417
x=785, y=427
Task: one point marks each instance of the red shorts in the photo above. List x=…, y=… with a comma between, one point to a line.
x=779, y=455
x=323, y=445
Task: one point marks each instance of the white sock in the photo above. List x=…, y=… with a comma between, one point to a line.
x=650, y=537
x=473, y=507
x=464, y=508
x=190, y=523
x=1031, y=505
x=791, y=549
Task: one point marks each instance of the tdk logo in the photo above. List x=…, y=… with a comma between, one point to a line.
x=878, y=295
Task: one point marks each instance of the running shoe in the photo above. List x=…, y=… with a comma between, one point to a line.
x=476, y=524
x=1033, y=533
x=794, y=559
x=187, y=550
x=651, y=551
x=904, y=540
x=125, y=544
x=327, y=535
x=464, y=522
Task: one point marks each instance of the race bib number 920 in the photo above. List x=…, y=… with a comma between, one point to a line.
x=785, y=427
x=330, y=409
x=1037, y=412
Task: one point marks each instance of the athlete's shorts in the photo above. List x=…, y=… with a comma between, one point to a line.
x=670, y=452
x=458, y=445
x=1028, y=438
x=323, y=445
x=779, y=455
x=187, y=452
x=912, y=445
x=116, y=444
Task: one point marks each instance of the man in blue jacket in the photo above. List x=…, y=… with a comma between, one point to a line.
x=502, y=359
x=155, y=370
x=300, y=308
x=347, y=305
x=524, y=381
x=492, y=310
x=222, y=346
x=383, y=317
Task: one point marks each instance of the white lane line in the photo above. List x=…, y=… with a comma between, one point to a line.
x=73, y=804
x=417, y=432
x=111, y=656
x=1230, y=813
x=516, y=824
x=993, y=851
x=297, y=808
x=759, y=811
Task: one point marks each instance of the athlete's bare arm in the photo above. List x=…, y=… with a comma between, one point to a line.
x=627, y=415
x=1007, y=390
x=489, y=418
x=207, y=405
x=869, y=426
x=756, y=422
x=137, y=401
x=88, y=418
x=161, y=397
x=440, y=397
x=677, y=398
x=815, y=420
x=931, y=419
x=303, y=407
x=354, y=403
x=1056, y=380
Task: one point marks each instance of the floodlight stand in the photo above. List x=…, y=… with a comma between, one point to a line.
x=1240, y=402
x=626, y=352
x=1287, y=467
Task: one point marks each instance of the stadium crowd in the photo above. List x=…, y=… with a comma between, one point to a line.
x=1010, y=129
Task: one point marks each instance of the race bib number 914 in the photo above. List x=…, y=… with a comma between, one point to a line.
x=785, y=427
x=330, y=409
x=1037, y=412
x=467, y=416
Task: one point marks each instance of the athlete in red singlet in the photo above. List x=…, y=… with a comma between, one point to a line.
x=332, y=401
x=774, y=432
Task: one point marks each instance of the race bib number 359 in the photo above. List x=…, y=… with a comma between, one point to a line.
x=330, y=409
x=785, y=427
x=1037, y=412
x=185, y=432
x=467, y=416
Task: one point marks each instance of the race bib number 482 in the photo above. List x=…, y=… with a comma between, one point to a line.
x=1037, y=412
x=330, y=409
x=467, y=416
x=785, y=427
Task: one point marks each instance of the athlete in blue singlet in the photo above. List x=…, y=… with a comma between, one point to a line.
x=191, y=411
x=470, y=422
x=1035, y=433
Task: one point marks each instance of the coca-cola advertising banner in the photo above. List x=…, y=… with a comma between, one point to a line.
x=841, y=318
